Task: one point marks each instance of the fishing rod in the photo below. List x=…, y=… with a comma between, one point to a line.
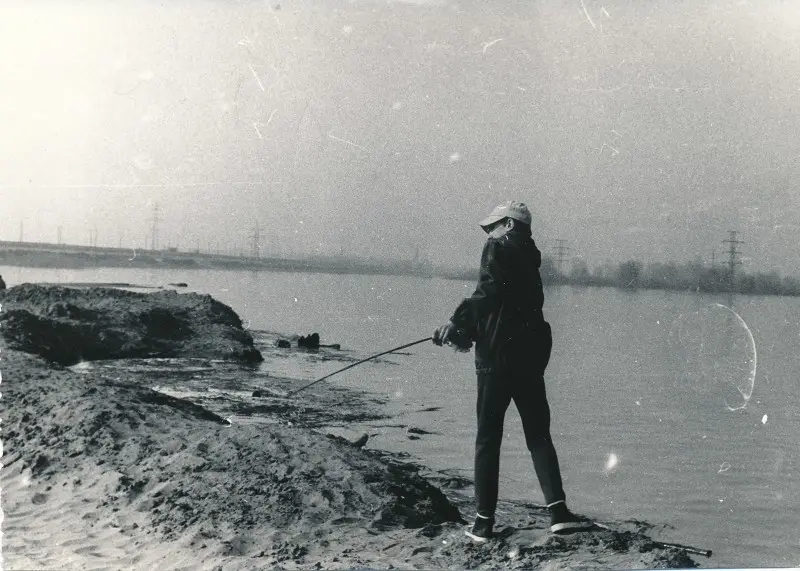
x=351, y=365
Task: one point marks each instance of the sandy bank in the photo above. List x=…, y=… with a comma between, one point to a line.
x=68, y=325
x=104, y=472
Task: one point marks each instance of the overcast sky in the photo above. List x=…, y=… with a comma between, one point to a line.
x=632, y=128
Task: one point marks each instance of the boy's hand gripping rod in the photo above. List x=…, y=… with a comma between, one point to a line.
x=351, y=365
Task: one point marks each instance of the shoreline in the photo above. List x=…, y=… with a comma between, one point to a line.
x=151, y=479
x=711, y=281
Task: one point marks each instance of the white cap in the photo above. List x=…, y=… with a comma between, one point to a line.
x=509, y=209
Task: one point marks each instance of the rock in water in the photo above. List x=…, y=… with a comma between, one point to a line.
x=310, y=342
x=69, y=325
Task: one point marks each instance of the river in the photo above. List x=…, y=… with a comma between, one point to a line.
x=667, y=407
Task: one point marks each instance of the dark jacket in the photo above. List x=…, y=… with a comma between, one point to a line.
x=504, y=315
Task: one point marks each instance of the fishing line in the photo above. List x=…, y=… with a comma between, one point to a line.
x=350, y=366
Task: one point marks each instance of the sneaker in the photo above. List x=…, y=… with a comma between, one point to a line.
x=481, y=530
x=564, y=521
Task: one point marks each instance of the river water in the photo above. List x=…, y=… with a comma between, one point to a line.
x=667, y=407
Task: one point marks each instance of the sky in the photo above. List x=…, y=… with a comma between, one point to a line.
x=641, y=129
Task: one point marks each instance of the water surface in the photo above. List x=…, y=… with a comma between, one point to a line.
x=667, y=407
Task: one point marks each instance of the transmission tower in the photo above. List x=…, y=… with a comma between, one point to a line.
x=60, y=232
x=733, y=254
x=561, y=250
x=256, y=238
x=154, y=231
x=21, y=233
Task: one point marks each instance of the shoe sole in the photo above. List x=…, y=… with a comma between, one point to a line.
x=571, y=526
x=476, y=538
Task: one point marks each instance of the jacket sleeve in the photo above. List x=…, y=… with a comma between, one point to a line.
x=487, y=297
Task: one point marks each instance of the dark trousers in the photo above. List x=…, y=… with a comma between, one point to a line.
x=495, y=392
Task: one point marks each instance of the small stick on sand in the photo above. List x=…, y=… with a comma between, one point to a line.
x=687, y=548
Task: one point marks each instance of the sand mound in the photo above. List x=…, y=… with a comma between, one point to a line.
x=68, y=325
x=186, y=474
x=102, y=474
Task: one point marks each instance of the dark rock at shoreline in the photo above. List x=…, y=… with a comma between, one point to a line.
x=309, y=342
x=180, y=284
x=69, y=325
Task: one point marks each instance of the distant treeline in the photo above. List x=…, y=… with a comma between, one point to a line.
x=633, y=275
x=690, y=276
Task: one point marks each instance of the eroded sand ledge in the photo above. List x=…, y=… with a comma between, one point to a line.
x=68, y=325
x=102, y=472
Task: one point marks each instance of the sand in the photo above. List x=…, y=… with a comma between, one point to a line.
x=69, y=325
x=102, y=472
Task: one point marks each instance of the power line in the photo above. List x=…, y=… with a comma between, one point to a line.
x=256, y=238
x=733, y=261
x=561, y=250
x=154, y=231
